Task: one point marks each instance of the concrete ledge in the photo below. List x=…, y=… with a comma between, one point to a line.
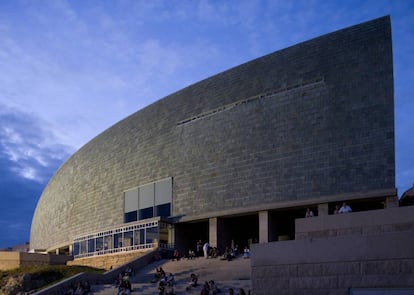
x=365, y=219
x=355, y=248
x=374, y=250
x=11, y=260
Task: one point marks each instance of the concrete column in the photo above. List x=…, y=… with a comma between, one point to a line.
x=71, y=249
x=212, y=233
x=264, y=226
x=323, y=209
x=171, y=235
x=391, y=202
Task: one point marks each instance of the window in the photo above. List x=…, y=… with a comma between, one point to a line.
x=163, y=210
x=76, y=248
x=130, y=216
x=128, y=239
x=149, y=200
x=118, y=240
x=83, y=248
x=108, y=242
x=152, y=235
x=91, y=245
x=146, y=213
x=99, y=244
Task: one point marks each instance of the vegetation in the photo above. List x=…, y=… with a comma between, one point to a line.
x=11, y=281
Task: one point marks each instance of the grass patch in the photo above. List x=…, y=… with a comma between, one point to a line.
x=49, y=274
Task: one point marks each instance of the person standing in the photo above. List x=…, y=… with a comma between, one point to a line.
x=205, y=249
x=345, y=208
x=309, y=213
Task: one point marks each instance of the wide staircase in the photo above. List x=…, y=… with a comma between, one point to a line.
x=226, y=274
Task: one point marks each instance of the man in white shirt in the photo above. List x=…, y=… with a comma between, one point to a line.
x=205, y=249
x=345, y=208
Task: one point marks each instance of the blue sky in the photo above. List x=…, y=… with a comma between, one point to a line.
x=71, y=69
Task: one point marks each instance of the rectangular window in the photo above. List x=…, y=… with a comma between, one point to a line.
x=76, y=248
x=149, y=200
x=152, y=235
x=142, y=236
x=99, y=244
x=83, y=248
x=118, y=240
x=128, y=238
x=131, y=216
x=108, y=242
x=163, y=210
x=91, y=245
x=146, y=213
x=136, y=237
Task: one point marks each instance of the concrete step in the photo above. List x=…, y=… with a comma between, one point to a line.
x=227, y=274
x=180, y=289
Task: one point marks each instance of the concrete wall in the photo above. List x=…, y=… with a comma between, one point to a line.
x=362, y=223
x=109, y=261
x=11, y=260
x=315, y=119
x=331, y=264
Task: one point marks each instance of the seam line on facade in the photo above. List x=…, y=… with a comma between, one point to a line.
x=229, y=106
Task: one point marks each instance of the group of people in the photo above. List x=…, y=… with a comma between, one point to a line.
x=123, y=283
x=345, y=208
x=81, y=288
x=209, y=288
x=165, y=283
x=230, y=252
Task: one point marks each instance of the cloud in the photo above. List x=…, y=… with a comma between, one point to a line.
x=28, y=159
x=27, y=145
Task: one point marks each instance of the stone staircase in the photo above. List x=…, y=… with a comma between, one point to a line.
x=227, y=274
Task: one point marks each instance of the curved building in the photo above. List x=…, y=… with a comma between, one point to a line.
x=237, y=156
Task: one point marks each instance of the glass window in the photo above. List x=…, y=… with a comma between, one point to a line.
x=128, y=238
x=163, y=210
x=142, y=236
x=108, y=242
x=151, y=235
x=91, y=245
x=136, y=237
x=118, y=240
x=99, y=244
x=83, y=249
x=131, y=216
x=76, y=248
x=146, y=213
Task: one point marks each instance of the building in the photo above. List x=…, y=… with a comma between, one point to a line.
x=235, y=158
